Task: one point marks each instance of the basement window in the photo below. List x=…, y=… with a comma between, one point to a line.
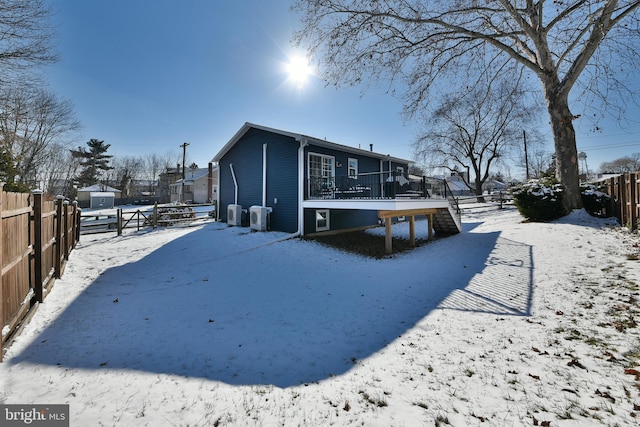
x=322, y=220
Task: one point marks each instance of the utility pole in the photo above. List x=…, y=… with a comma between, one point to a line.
x=526, y=156
x=184, y=159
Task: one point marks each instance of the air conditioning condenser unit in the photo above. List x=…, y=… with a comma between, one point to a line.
x=259, y=217
x=234, y=214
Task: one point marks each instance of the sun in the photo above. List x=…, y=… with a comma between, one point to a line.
x=298, y=70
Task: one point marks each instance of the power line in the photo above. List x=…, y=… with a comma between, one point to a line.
x=607, y=146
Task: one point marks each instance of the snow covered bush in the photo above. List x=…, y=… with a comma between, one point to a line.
x=539, y=199
x=595, y=201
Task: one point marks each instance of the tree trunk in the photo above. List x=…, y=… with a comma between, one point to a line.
x=478, y=189
x=564, y=138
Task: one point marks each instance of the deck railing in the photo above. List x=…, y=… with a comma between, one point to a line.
x=376, y=185
x=453, y=201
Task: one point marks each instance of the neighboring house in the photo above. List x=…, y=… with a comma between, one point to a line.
x=200, y=186
x=141, y=188
x=85, y=198
x=458, y=186
x=494, y=185
x=166, y=178
x=310, y=185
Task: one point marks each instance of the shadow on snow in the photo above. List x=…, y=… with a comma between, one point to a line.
x=284, y=314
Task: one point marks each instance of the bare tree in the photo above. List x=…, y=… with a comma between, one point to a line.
x=153, y=166
x=26, y=37
x=475, y=128
x=423, y=42
x=624, y=164
x=32, y=121
x=124, y=170
x=540, y=163
x=59, y=171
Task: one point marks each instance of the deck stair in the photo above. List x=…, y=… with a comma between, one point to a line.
x=446, y=221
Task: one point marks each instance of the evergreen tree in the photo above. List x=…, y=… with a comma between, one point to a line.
x=8, y=173
x=93, y=161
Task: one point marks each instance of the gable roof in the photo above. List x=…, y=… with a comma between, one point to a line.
x=103, y=194
x=192, y=175
x=99, y=188
x=299, y=137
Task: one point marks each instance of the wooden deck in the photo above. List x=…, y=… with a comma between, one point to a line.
x=441, y=216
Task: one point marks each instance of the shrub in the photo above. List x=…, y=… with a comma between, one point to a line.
x=539, y=199
x=596, y=202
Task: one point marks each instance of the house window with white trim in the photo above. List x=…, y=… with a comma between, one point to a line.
x=352, y=168
x=322, y=220
x=321, y=171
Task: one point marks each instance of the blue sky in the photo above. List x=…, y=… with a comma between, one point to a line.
x=146, y=76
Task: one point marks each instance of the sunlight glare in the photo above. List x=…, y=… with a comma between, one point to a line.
x=298, y=70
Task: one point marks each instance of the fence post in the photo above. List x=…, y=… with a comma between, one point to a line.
x=624, y=183
x=65, y=236
x=37, y=245
x=612, y=200
x=119, y=221
x=57, y=265
x=75, y=224
x=1, y=265
x=78, y=221
x=155, y=215
x=633, y=216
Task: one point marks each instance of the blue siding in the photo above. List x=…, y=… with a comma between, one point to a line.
x=282, y=182
x=365, y=163
x=341, y=219
x=246, y=156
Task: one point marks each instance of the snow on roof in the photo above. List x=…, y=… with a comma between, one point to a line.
x=455, y=184
x=99, y=187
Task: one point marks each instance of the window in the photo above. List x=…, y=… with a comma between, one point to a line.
x=321, y=166
x=321, y=172
x=322, y=220
x=352, y=168
x=400, y=170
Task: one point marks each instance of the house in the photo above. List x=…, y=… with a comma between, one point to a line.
x=143, y=188
x=494, y=185
x=200, y=186
x=97, y=196
x=166, y=178
x=307, y=185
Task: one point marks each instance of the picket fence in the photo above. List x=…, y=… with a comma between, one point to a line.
x=37, y=236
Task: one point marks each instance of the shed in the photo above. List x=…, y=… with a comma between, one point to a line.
x=84, y=194
x=102, y=199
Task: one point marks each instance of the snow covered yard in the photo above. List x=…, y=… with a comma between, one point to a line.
x=508, y=323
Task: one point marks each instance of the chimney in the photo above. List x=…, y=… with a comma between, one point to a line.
x=370, y=147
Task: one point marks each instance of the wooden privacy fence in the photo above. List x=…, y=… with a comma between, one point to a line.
x=625, y=193
x=37, y=237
